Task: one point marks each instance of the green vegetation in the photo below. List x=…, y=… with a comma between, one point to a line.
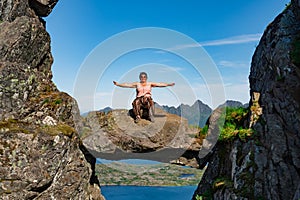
x=57, y=101
x=199, y=197
x=295, y=53
x=46, y=100
x=201, y=135
x=60, y=128
x=207, y=195
x=51, y=99
x=163, y=174
x=204, y=130
x=234, y=125
x=15, y=126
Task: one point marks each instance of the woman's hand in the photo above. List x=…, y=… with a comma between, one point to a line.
x=125, y=85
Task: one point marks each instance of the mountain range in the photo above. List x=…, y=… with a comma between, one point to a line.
x=196, y=114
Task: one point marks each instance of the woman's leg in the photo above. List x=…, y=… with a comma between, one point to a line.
x=136, y=104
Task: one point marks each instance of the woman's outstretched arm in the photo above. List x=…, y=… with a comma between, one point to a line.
x=162, y=84
x=125, y=85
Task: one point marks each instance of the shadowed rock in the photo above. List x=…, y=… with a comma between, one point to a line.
x=42, y=7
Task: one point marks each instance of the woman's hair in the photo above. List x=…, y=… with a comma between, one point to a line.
x=143, y=73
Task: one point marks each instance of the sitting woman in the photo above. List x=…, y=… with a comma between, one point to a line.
x=143, y=95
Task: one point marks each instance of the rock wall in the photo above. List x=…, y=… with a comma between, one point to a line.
x=41, y=155
x=268, y=166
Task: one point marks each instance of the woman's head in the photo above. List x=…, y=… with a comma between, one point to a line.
x=143, y=76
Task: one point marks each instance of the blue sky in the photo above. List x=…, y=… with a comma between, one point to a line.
x=228, y=31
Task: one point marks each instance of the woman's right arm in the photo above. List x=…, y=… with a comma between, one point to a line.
x=125, y=85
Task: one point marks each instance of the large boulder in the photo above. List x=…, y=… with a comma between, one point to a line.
x=116, y=135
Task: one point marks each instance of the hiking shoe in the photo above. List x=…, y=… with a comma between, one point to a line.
x=137, y=119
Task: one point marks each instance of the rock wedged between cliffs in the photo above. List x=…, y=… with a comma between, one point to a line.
x=115, y=134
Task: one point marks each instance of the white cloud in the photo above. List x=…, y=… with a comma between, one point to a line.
x=232, y=64
x=169, y=69
x=225, y=41
x=234, y=40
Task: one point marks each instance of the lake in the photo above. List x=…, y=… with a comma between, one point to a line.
x=148, y=192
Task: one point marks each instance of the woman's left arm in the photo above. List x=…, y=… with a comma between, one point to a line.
x=162, y=84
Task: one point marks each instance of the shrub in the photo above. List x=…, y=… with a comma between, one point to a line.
x=204, y=130
x=234, y=125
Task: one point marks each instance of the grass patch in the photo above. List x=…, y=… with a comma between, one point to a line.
x=15, y=126
x=49, y=99
x=57, y=101
x=234, y=125
x=60, y=128
x=204, y=130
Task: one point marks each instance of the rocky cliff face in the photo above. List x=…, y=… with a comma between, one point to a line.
x=41, y=155
x=267, y=166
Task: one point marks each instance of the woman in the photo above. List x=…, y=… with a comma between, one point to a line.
x=143, y=95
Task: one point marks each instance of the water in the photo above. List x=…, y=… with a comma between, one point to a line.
x=148, y=192
x=186, y=175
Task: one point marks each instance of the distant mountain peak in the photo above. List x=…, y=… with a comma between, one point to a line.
x=196, y=114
